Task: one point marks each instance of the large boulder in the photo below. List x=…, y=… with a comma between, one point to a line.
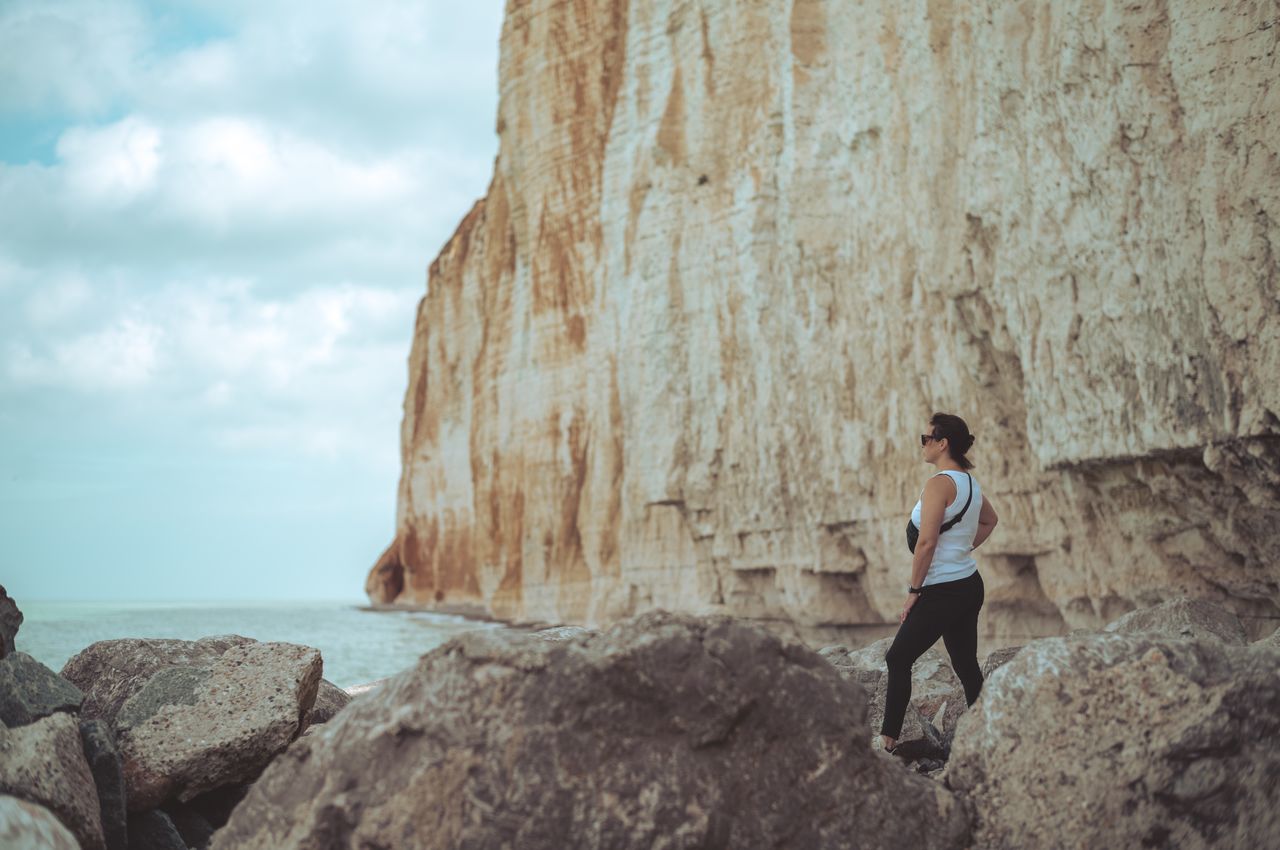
x=27, y=826
x=44, y=762
x=111, y=671
x=330, y=699
x=663, y=731
x=10, y=621
x=937, y=697
x=182, y=735
x=1124, y=741
x=29, y=690
x=1183, y=618
x=997, y=658
x=108, y=777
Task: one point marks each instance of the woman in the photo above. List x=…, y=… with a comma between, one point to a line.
x=946, y=592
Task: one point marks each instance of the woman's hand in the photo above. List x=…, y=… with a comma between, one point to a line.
x=906, y=606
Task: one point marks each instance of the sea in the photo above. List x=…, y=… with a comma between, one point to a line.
x=358, y=644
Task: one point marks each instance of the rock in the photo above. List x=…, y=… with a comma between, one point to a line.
x=216, y=806
x=1273, y=640
x=44, y=763
x=665, y=362
x=561, y=633
x=330, y=699
x=661, y=731
x=108, y=778
x=937, y=697
x=27, y=826
x=29, y=690
x=1160, y=742
x=366, y=688
x=1183, y=618
x=111, y=671
x=997, y=659
x=170, y=686
x=195, y=830
x=154, y=830
x=247, y=709
x=10, y=621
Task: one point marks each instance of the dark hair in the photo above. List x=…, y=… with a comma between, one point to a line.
x=957, y=435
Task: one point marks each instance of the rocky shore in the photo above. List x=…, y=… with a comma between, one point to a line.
x=663, y=730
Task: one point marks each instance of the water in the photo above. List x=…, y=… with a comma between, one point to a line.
x=357, y=645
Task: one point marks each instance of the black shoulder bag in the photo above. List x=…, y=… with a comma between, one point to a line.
x=913, y=533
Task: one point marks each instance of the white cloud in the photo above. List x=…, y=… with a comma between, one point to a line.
x=123, y=356
x=111, y=165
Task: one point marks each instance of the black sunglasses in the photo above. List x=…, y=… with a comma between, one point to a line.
x=925, y=438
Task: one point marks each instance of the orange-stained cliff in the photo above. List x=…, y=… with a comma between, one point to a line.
x=734, y=253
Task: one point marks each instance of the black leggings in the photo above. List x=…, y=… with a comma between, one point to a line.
x=948, y=610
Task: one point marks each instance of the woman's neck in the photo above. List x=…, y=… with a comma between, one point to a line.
x=949, y=465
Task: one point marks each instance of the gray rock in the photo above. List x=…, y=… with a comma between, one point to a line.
x=937, y=697
x=195, y=829
x=171, y=686
x=330, y=699
x=1183, y=618
x=154, y=831
x=1121, y=740
x=997, y=659
x=217, y=805
x=111, y=671
x=243, y=714
x=29, y=690
x=365, y=688
x=108, y=777
x=662, y=731
x=1273, y=640
x=10, y=622
x=27, y=826
x=44, y=763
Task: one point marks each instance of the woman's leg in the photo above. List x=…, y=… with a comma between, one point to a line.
x=961, y=640
x=921, y=630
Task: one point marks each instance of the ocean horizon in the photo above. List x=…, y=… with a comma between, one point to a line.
x=358, y=644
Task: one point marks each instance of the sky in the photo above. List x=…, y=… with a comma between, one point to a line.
x=215, y=222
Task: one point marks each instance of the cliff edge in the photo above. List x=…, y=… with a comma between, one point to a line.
x=734, y=254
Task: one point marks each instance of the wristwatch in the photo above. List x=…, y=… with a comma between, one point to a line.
x=916, y=590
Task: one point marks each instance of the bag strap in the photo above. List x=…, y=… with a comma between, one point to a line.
x=951, y=523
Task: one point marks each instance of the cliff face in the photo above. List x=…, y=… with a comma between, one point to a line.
x=734, y=254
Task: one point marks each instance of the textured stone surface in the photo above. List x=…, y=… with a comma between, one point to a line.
x=10, y=621
x=1158, y=742
x=29, y=690
x=44, y=762
x=937, y=697
x=330, y=699
x=247, y=710
x=170, y=686
x=111, y=671
x=735, y=252
x=664, y=731
x=997, y=659
x=1183, y=618
x=103, y=758
x=195, y=830
x=26, y=826
x=154, y=831
x=1272, y=640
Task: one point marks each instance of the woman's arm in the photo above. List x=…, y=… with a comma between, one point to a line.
x=933, y=504
x=987, y=520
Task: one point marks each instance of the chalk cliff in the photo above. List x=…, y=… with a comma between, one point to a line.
x=735, y=252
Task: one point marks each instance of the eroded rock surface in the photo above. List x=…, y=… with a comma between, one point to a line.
x=735, y=252
x=44, y=762
x=1183, y=618
x=111, y=671
x=330, y=699
x=222, y=730
x=662, y=731
x=29, y=690
x=27, y=826
x=103, y=758
x=1124, y=741
x=10, y=621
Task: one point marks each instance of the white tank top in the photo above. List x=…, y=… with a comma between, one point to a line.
x=953, y=559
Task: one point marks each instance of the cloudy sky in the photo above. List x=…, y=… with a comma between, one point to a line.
x=215, y=220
